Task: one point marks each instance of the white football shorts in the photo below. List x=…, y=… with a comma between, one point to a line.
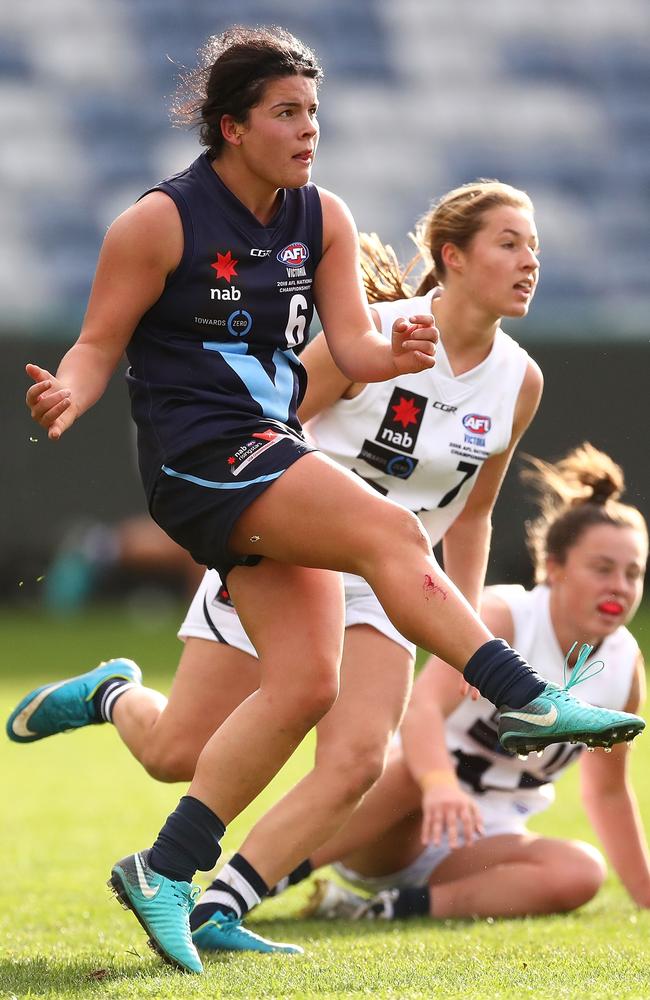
x=502, y=812
x=210, y=616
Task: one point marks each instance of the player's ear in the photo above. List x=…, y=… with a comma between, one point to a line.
x=452, y=257
x=232, y=130
x=554, y=570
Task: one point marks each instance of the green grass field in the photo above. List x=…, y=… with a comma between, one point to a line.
x=74, y=804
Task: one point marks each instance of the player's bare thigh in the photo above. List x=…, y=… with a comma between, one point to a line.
x=502, y=849
x=319, y=514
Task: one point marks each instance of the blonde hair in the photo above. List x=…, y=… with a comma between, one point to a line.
x=455, y=218
x=575, y=493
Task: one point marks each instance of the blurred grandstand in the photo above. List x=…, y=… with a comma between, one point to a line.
x=419, y=96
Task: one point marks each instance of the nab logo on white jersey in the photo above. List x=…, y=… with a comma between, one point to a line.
x=402, y=420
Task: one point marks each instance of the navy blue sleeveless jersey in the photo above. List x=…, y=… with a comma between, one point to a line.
x=218, y=351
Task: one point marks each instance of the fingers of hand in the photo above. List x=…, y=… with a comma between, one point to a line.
x=422, y=325
x=435, y=828
x=468, y=819
x=451, y=824
x=37, y=373
x=49, y=405
x=425, y=347
x=452, y=816
x=425, y=325
x=36, y=390
x=416, y=361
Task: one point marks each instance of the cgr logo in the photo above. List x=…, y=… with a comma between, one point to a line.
x=260, y=253
x=477, y=424
x=445, y=407
x=293, y=255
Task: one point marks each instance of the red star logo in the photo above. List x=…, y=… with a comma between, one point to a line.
x=225, y=266
x=231, y=461
x=406, y=412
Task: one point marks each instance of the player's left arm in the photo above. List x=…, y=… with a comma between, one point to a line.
x=359, y=351
x=611, y=805
x=466, y=544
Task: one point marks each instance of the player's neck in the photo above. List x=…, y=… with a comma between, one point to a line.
x=466, y=332
x=259, y=197
x=567, y=632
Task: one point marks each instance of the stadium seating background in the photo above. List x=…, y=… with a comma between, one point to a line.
x=419, y=96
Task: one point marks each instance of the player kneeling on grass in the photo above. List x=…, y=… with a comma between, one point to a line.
x=451, y=788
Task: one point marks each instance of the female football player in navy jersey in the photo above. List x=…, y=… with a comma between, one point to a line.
x=208, y=283
x=401, y=436
x=444, y=832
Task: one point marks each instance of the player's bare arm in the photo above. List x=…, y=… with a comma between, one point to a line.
x=326, y=382
x=466, y=544
x=446, y=808
x=142, y=247
x=611, y=805
x=358, y=350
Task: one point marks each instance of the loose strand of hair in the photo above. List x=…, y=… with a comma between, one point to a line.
x=384, y=279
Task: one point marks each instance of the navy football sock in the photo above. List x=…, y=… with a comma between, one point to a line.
x=502, y=675
x=188, y=841
x=411, y=903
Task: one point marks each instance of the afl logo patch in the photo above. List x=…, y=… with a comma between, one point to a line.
x=293, y=255
x=476, y=424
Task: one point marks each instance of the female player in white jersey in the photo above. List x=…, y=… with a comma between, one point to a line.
x=444, y=831
x=438, y=443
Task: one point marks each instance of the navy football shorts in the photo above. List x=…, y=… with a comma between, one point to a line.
x=198, y=498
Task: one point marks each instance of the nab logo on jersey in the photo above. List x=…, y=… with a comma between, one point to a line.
x=293, y=255
x=476, y=424
x=225, y=266
x=401, y=424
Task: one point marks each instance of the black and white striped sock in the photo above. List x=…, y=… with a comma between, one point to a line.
x=106, y=695
x=236, y=890
x=299, y=873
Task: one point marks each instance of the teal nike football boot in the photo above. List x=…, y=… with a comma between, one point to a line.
x=226, y=933
x=162, y=906
x=55, y=708
x=556, y=716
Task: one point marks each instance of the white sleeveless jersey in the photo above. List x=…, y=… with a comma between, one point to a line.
x=421, y=439
x=471, y=730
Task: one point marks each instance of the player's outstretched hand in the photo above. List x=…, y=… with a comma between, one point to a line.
x=414, y=343
x=447, y=809
x=49, y=402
